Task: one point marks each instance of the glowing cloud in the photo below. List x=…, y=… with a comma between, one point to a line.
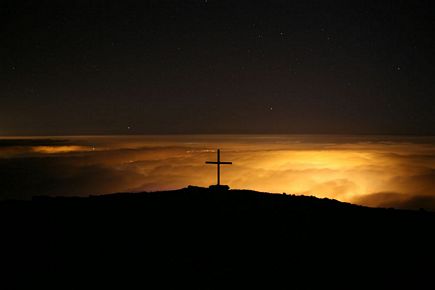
x=375, y=171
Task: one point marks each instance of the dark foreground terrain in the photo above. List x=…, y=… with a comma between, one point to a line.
x=206, y=239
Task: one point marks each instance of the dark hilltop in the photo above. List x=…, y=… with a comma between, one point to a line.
x=202, y=238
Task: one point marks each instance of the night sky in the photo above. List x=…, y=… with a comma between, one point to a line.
x=215, y=66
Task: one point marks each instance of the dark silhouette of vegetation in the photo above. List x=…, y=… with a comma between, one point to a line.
x=202, y=239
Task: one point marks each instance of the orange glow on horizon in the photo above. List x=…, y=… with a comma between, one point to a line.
x=369, y=171
x=60, y=149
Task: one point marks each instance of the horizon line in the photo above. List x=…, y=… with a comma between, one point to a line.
x=215, y=134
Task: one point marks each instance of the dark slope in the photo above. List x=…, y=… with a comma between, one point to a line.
x=208, y=239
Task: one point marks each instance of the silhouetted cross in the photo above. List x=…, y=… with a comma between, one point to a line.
x=218, y=163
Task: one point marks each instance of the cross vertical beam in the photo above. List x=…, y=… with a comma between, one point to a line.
x=218, y=167
x=218, y=163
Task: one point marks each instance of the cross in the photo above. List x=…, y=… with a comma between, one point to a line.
x=218, y=163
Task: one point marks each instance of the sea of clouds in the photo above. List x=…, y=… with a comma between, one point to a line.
x=369, y=170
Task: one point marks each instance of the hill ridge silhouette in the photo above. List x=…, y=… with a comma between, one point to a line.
x=208, y=239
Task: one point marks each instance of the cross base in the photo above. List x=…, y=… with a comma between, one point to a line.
x=219, y=187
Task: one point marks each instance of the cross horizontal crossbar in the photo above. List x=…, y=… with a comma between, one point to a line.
x=219, y=162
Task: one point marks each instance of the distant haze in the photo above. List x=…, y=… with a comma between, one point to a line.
x=376, y=171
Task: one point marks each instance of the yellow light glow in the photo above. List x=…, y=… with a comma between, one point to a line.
x=59, y=149
x=366, y=172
